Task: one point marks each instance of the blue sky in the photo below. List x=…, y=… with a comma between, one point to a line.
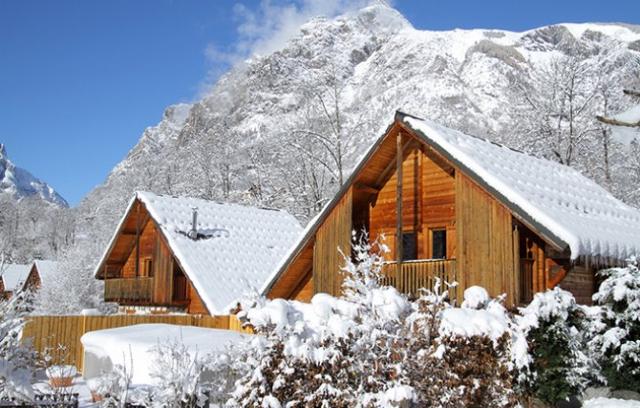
x=80, y=80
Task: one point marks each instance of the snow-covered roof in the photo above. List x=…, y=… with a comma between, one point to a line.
x=560, y=200
x=243, y=247
x=46, y=269
x=14, y=276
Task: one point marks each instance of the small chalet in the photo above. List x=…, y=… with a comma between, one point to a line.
x=464, y=209
x=44, y=271
x=16, y=277
x=193, y=255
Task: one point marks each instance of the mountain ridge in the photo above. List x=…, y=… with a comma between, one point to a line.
x=244, y=139
x=20, y=183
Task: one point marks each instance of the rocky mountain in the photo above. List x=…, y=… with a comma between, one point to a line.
x=284, y=129
x=18, y=183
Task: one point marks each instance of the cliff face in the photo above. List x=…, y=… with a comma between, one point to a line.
x=257, y=135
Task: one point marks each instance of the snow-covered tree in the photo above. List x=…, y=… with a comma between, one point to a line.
x=17, y=360
x=556, y=331
x=74, y=287
x=616, y=344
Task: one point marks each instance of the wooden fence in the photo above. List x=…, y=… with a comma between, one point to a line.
x=59, y=336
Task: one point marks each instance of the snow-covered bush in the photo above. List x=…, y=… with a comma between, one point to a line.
x=114, y=386
x=336, y=352
x=616, y=344
x=178, y=376
x=16, y=359
x=460, y=356
x=555, y=328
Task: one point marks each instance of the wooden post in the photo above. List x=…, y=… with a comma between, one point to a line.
x=399, y=202
x=138, y=240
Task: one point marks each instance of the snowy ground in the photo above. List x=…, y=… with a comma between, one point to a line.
x=610, y=403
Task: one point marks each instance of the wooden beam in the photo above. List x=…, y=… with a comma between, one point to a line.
x=391, y=166
x=367, y=188
x=399, y=157
x=138, y=241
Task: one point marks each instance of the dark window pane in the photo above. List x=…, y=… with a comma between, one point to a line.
x=439, y=244
x=409, y=247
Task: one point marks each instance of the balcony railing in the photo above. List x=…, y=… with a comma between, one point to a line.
x=131, y=291
x=414, y=275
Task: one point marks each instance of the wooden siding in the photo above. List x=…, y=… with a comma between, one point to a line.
x=428, y=190
x=299, y=269
x=304, y=292
x=333, y=236
x=196, y=305
x=162, y=272
x=48, y=332
x=580, y=281
x=147, y=246
x=485, y=254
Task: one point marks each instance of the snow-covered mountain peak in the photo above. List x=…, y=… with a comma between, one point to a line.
x=246, y=138
x=19, y=183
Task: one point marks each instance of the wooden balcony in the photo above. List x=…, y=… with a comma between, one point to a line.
x=132, y=291
x=422, y=273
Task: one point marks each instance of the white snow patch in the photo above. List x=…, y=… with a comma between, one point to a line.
x=610, y=403
x=132, y=346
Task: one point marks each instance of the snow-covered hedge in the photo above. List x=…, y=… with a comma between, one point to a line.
x=375, y=348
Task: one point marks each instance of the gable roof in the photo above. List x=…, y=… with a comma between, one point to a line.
x=569, y=210
x=14, y=276
x=244, y=244
x=46, y=270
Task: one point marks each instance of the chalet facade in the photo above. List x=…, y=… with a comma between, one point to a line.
x=192, y=255
x=464, y=209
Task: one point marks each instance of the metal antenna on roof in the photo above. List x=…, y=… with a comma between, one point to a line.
x=193, y=234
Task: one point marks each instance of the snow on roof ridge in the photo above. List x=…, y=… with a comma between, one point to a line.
x=222, y=203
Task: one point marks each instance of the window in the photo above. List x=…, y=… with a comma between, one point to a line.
x=147, y=267
x=409, y=247
x=439, y=244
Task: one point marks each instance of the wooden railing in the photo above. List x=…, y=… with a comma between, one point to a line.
x=418, y=274
x=134, y=290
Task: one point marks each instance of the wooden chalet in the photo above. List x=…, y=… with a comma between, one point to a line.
x=18, y=277
x=193, y=255
x=464, y=209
